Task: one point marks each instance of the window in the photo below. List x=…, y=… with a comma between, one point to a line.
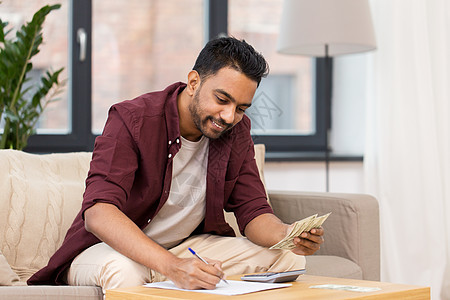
x=287, y=113
x=53, y=54
x=157, y=46
x=62, y=127
x=136, y=46
x=166, y=37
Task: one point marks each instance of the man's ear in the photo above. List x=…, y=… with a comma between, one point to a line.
x=193, y=82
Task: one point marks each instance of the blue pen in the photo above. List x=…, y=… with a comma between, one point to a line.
x=199, y=257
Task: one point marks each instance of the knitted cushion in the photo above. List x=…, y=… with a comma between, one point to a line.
x=40, y=196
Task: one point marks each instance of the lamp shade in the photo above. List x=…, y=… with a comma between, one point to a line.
x=308, y=25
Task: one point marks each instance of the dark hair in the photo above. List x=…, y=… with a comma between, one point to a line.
x=231, y=52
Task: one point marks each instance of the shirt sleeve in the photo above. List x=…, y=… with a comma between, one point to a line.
x=114, y=162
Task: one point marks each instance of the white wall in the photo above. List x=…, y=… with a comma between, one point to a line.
x=345, y=177
x=347, y=137
x=349, y=104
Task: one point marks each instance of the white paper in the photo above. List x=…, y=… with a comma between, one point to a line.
x=233, y=288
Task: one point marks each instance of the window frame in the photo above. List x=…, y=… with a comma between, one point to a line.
x=298, y=147
x=81, y=138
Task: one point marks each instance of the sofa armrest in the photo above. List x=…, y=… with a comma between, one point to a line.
x=352, y=230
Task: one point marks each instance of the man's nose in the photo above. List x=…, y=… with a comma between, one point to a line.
x=228, y=114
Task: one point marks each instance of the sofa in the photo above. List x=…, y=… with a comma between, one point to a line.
x=40, y=194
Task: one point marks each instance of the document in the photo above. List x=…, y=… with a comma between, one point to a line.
x=233, y=288
x=301, y=226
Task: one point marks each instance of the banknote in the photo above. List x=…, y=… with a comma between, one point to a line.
x=350, y=288
x=299, y=227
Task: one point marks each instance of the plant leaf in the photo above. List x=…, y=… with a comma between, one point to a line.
x=20, y=110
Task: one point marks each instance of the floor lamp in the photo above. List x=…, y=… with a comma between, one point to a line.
x=326, y=28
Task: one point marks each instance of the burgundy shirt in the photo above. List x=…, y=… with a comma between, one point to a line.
x=131, y=168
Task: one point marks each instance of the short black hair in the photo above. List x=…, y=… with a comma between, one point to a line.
x=231, y=52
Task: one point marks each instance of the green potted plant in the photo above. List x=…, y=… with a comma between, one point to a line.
x=21, y=107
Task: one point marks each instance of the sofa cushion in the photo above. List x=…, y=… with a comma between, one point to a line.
x=332, y=266
x=41, y=194
x=351, y=231
x=260, y=158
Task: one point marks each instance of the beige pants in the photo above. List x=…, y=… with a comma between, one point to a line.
x=102, y=266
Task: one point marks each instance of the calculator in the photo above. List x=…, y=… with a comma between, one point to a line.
x=274, y=276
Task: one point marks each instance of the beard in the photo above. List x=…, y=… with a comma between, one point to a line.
x=203, y=124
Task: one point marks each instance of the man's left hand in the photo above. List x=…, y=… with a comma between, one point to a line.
x=308, y=242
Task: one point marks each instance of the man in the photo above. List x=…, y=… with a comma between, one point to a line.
x=162, y=172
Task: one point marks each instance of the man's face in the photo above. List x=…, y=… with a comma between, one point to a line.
x=220, y=102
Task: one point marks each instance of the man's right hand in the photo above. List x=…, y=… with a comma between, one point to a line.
x=192, y=273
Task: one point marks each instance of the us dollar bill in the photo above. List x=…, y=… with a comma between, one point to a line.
x=299, y=227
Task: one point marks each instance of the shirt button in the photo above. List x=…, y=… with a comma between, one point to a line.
x=178, y=141
x=170, y=142
x=170, y=155
x=149, y=220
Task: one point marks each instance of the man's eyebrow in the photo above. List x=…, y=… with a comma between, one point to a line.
x=226, y=94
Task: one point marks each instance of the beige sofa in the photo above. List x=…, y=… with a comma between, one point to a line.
x=41, y=194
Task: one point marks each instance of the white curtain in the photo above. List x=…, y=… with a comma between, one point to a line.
x=407, y=159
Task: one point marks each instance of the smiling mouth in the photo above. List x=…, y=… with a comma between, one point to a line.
x=217, y=125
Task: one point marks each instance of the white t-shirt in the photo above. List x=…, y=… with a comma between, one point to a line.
x=185, y=208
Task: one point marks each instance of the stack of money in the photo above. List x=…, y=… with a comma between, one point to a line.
x=345, y=288
x=299, y=227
